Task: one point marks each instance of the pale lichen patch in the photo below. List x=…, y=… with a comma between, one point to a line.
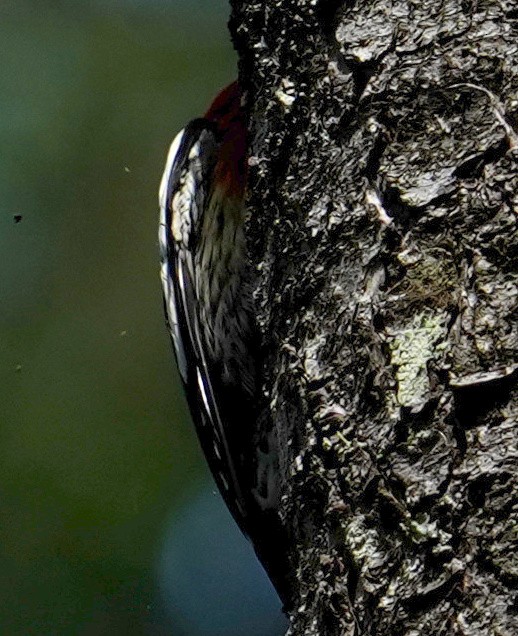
x=412, y=347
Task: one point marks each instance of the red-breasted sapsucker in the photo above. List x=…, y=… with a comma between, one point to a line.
x=207, y=284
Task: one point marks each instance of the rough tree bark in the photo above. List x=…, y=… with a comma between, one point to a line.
x=384, y=200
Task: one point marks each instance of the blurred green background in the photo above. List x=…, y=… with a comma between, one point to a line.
x=96, y=447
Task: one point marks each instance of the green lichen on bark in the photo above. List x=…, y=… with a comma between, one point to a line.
x=412, y=347
x=383, y=197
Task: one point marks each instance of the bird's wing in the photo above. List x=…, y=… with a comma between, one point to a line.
x=184, y=194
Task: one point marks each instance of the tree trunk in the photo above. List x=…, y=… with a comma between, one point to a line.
x=383, y=198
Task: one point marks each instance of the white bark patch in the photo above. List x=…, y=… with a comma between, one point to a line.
x=286, y=94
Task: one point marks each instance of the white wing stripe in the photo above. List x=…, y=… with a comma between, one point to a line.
x=164, y=183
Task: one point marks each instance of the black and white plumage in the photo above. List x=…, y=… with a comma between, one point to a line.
x=200, y=307
x=207, y=286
